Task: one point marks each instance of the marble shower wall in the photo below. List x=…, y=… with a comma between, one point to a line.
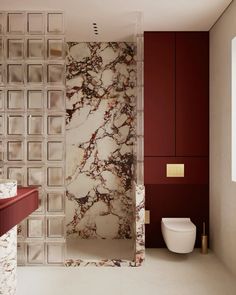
x=100, y=137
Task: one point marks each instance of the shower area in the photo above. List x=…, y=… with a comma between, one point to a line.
x=71, y=123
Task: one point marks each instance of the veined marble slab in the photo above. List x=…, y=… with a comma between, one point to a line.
x=139, y=243
x=100, y=136
x=8, y=188
x=140, y=224
x=8, y=262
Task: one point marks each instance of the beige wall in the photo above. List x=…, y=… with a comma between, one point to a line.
x=222, y=189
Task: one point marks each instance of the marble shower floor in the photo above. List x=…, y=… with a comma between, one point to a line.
x=98, y=249
x=163, y=273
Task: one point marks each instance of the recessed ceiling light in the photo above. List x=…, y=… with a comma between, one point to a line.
x=95, y=28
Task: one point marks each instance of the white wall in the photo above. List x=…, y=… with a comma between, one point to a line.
x=222, y=189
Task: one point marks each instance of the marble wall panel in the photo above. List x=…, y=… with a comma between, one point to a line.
x=100, y=136
x=8, y=262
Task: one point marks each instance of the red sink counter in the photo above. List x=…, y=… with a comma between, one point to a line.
x=14, y=210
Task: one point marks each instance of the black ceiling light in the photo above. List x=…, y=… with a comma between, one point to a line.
x=95, y=28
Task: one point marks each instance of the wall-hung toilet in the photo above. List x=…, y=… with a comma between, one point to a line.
x=179, y=234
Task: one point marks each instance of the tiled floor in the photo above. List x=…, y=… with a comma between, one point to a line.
x=164, y=273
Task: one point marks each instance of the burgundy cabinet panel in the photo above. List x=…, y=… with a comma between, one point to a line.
x=176, y=128
x=192, y=93
x=159, y=89
x=175, y=201
x=195, y=170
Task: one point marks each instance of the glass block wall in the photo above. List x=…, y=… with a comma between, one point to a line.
x=140, y=101
x=32, y=125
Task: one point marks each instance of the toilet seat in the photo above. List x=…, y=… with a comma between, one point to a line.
x=179, y=234
x=179, y=224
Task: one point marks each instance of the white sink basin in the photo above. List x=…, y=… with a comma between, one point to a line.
x=8, y=188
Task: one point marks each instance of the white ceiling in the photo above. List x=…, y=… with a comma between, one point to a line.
x=116, y=18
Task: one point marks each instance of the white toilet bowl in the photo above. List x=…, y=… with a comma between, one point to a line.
x=179, y=234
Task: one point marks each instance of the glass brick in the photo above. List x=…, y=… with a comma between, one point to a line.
x=140, y=51
x=55, y=23
x=35, y=125
x=55, y=73
x=35, y=253
x=55, y=202
x=35, y=73
x=15, y=73
x=15, y=125
x=34, y=176
x=55, y=253
x=20, y=254
x=35, y=227
x=34, y=150
x=35, y=49
x=1, y=99
x=1, y=172
x=1, y=124
x=1, y=74
x=15, y=151
x=140, y=148
x=139, y=73
x=55, y=48
x=55, y=150
x=34, y=99
x=56, y=125
x=140, y=127
x=140, y=100
x=55, y=100
x=16, y=173
x=16, y=23
x=1, y=49
x=41, y=201
x=1, y=151
x=15, y=99
x=55, y=227
x=15, y=48
x=21, y=230
x=55, y=176
x=35, y=24
x=2, y=23
x=140, y=175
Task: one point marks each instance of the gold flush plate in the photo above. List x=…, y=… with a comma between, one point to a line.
x=174, y=170
x=147, y=217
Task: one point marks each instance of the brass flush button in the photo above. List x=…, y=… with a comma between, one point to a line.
x=174, y=170
x=147, y=216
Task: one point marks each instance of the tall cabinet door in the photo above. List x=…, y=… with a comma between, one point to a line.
x=192, y=93
x=159, y=92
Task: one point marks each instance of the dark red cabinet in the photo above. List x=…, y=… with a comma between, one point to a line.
x=159, y=88
x=195, y=170
x=192, y=91
x=176, y=91
x=176, y=200
x=176, y=128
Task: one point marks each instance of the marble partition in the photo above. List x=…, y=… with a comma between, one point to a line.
x=140, y=224
x=100, y=136
x=139, y=249
x=8, y=262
